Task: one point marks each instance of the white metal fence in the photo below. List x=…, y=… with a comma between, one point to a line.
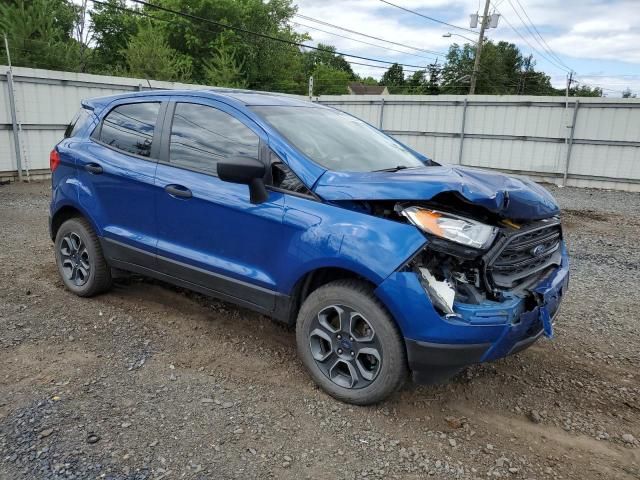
x=591, y=142
x=45, y=102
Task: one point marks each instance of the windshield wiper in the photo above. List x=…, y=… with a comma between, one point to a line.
x=392, y=169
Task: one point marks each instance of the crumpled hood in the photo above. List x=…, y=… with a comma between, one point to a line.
x=516, y=198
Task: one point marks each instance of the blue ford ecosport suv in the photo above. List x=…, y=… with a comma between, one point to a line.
x=385, y=261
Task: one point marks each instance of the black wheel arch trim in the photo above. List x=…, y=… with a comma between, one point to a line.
x=75, y=211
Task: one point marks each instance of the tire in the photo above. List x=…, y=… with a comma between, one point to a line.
x=79, y=258
x=349, y=308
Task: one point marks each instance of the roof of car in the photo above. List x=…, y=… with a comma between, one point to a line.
x=239, y=97
x=250, y=97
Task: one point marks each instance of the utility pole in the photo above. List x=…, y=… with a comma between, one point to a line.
x=566, y=114
x=14, y=115
x=6, y=46
x=569, y=82
x=476, y=63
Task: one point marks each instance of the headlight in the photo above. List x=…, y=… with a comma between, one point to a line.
x=452, y=227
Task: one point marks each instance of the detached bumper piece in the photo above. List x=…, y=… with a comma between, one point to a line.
x=436, y=362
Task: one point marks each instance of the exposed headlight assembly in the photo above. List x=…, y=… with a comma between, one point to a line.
x=452, y=227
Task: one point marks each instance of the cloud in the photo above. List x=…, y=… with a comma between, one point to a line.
x=585, y=35
x=599, y=26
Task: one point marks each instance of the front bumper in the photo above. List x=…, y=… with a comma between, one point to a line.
x=439, y=347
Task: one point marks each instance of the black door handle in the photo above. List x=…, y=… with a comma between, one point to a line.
x=178, y=191
x=93, y=168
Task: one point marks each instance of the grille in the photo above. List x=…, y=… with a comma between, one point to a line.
x=524, y=254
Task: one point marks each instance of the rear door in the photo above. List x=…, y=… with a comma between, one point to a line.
x=209, y=234
x=117, y=173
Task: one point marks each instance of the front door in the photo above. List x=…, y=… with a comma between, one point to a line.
x=209, y=234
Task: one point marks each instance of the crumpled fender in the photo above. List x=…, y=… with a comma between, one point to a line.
x=510, y=197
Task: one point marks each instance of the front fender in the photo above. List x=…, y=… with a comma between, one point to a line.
x=320, y=235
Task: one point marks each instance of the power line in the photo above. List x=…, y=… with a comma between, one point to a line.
x=552, y=56
x=362, y=41
x=298, y=89
x=327, y=24
x=386, y=68
x=546, y=45
x=596, y=85
x=551, y=60
x=407, y=70
x=244, y=30
x=427, y=17
x=554, y=63
x=613, y=75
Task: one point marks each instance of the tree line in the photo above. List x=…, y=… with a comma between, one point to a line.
x=112, y=37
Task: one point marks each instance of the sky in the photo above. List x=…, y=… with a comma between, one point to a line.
x=598, y=39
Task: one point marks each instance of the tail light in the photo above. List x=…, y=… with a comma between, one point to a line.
x=54, y=159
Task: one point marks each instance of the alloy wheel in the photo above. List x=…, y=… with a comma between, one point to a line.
x=74, y=258
x=345, y=347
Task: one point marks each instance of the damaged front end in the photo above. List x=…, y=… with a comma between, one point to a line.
x=478, y=292
x=478, y=286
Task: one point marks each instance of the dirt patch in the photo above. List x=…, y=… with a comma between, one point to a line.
x=149, y=381
x=587, y=214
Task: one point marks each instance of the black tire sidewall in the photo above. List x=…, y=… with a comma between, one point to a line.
x=359, y=297
x=75, y=226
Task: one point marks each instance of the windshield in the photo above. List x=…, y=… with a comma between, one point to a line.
x=337, y=141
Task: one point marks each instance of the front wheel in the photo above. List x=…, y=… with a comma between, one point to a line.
x=350, y=344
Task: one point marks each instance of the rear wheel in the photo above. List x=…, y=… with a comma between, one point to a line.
x=79, y=258
x=350, y=344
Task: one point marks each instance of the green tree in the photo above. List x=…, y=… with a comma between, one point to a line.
x=416, y=84
x=266, y=63
x=423, y=82
x=585, y=91
x=326, y=55
x=149, y=56
x=367, y=80
x=331, y=72
x=457, y=69
x=40, y=33
x=328, y=80
x=224, y=70
x=113, y=27
x=433, y=84
x=532, y=82
x=627, y=93
x=393, y=78
x=503, y=71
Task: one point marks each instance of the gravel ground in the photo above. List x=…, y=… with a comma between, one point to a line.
x=149, y=381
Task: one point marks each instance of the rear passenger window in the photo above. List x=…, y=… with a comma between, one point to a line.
x=201, y=136
x=130, y=127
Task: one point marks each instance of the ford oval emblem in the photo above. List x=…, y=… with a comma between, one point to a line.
x=537, y=251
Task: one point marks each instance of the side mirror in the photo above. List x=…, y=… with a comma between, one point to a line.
x=247, y=171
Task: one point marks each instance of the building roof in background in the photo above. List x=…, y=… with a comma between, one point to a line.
x=358, y=88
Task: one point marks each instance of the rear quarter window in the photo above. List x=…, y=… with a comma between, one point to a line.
x=79, y=120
